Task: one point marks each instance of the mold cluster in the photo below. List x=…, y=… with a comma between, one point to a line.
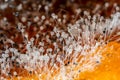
x=35, y=38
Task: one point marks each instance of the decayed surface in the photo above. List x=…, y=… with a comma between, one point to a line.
x=55, y=39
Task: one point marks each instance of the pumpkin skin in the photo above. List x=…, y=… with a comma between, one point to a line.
x=109, y=67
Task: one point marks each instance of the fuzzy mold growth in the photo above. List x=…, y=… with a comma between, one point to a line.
x=38, y=43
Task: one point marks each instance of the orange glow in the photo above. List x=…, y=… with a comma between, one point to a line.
x=109, y=67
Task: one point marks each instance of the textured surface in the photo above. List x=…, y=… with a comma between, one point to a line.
x=59, y=39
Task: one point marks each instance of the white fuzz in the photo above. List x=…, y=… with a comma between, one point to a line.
x=81, y=38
